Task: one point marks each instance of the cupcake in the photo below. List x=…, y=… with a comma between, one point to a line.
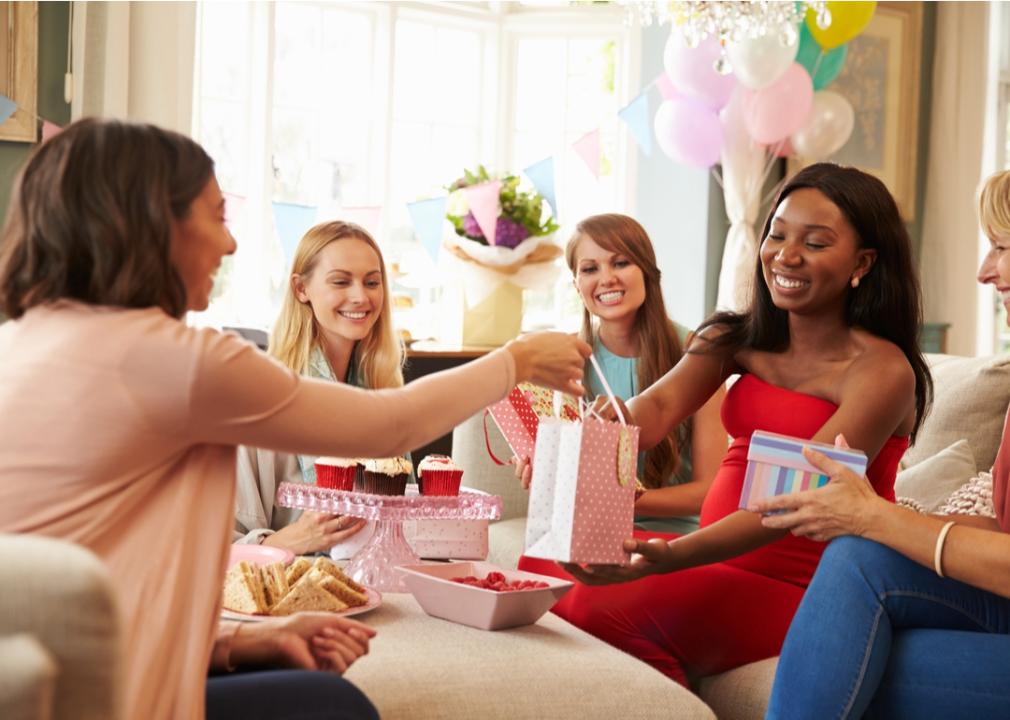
x=439, y=475
x=337, y=473
x=386, y=476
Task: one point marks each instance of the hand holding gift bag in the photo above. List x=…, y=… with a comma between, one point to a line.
x=518, y=417
x=582, y=496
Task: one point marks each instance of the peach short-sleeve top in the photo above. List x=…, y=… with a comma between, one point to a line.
x=118, y=431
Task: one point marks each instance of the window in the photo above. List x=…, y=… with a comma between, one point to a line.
x=356, y=109
x=1001, y=15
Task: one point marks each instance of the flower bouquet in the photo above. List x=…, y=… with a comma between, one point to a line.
x=503, y=243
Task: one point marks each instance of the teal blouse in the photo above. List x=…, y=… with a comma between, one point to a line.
x=622, y=375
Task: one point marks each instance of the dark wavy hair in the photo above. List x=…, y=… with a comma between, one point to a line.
x=91, y=216
x=888, y=301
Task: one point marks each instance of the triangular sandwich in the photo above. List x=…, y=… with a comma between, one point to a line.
x=243, y=590
x=310, y=593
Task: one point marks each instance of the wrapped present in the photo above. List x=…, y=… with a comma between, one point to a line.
x=477, y=319
x=582, y=494
x=519, y=414
x=776, y=466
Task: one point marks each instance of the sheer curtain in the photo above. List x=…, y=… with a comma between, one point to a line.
x=134, y=60
x=951, y=238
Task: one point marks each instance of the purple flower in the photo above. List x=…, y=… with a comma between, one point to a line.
x=470, y=226
x=508, y=233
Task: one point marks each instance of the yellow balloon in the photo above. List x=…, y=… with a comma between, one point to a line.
x=848, y=19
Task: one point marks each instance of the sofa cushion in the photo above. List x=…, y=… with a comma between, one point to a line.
x=741, y=693
x=420, y=667
x=972, y=395
x=506, y=542
x=933, y=480
x=469, y=451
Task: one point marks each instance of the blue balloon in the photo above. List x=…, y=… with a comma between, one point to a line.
x=823, y=67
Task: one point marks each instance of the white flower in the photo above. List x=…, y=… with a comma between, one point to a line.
x=456, y=204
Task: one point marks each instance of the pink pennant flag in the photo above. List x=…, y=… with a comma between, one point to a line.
x=665, y=86
x=588, y=148
x=483, y=201
x=50, y=130
x=367, y=216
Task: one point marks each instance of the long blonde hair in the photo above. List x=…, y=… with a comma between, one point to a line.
x=657, y=336
x=379, y=357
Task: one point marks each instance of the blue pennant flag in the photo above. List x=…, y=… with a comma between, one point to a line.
x=427, y=217
x=7, y=108
x=636, y=114
x=292, y=221
x=541, y=174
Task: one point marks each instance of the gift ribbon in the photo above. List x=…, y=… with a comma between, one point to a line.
x=625, y=473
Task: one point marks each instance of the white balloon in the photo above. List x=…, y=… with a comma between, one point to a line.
x=758, y=62
x=828, y=127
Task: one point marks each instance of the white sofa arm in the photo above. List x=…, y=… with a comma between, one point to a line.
x=27, y=679
x=59, y=594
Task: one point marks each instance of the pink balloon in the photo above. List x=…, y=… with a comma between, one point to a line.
x=692, y=71
x=779, y=110
x=665, y=86
x=689, y=132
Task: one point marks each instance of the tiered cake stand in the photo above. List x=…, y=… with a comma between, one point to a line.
x=375, y=563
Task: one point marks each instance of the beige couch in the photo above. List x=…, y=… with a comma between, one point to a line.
x=59, y=634
x=971, y=400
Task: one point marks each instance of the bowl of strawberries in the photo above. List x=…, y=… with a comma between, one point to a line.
x=483, y=595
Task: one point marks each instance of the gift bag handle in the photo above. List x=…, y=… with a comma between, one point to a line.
x=606, y=387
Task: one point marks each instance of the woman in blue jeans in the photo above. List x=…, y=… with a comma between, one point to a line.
x=908, y=615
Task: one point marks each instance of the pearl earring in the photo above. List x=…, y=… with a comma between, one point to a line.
x=855, y=281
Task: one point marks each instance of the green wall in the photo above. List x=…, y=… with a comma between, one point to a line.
x=54, y=24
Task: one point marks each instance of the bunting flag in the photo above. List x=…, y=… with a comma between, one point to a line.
x=483, y=202
x=427, y=217
x=234, y=208
x=50, y=130
x=637, y=115
x=588, y=148
x=7, y=108
x=292, y=221
x=541, y=174
x=665, y=86
x=367, y=216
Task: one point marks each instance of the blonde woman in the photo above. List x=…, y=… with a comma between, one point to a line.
x=336, y=325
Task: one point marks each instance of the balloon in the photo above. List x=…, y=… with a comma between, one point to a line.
x=666, y=88
x=822, y=66
x=780, y=109
x=689, y=132
x=758, y=62
x=848, y=19
x=692, y=70
x=827, y=128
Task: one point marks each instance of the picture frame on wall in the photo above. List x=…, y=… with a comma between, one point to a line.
x=881, y=79
x=19, y=78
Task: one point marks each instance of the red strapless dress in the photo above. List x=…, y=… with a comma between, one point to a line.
x=711, y=618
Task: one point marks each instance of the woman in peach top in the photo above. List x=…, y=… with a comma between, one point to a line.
x=120, y=423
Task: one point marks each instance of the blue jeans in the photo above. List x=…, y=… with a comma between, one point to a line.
x=882, y=636
x=289, y=694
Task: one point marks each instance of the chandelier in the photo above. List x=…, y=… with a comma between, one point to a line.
x=730, y=21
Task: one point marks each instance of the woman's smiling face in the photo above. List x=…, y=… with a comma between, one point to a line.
x=612, y=287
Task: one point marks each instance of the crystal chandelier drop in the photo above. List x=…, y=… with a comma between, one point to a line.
x=730, y=21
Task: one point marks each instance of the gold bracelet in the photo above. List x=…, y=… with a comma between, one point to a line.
x=938, y=550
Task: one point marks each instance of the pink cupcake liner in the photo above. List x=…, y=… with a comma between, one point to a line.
x=440, y=482
x=336, y=478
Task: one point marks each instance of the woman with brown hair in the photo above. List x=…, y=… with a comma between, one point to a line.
x=120, y=423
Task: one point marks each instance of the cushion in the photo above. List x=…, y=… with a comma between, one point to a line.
x=933, y=480
x=741, y=693
x=421, y=668
x=506, y=542
x=27, y=679
x=971, y=399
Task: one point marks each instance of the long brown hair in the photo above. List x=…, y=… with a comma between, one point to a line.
x=91, y=217
x=659, y=344
x=378, y=357
x=887, y=303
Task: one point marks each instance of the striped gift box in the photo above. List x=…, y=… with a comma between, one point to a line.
x=776, y=466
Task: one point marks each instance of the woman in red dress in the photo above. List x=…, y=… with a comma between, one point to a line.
x=827, y=348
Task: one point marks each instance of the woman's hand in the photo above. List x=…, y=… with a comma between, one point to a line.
x=842, y=507
x=524, y=470
x=314, y=532
x=551, y=359
x=310, y=641
x=605, y=409
x=649, y=558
